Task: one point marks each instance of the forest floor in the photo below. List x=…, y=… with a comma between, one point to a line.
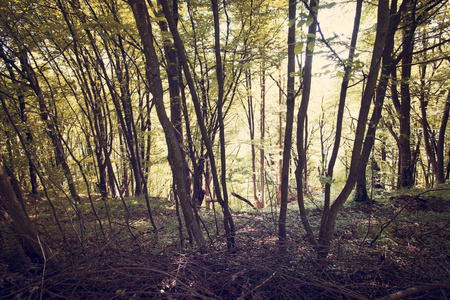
x=397, y=245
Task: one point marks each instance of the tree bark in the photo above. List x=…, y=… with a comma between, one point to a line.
x=177, y=163
x=361, y=188
x=263, y=133
x=290, y=103
x=223, y=200
x=329, y=218
x=51, y=123
x=280, y=141
x=228, y=221
x=447, y=176
x=250, y=112
x=29, y=135
x=341, y=106
x=427, y=139
x=175, y=102
x=19, y=222
x=406, y=176
x=302, y=119
x=441, y=142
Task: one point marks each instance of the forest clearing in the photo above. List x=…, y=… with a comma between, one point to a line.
x=232, y=149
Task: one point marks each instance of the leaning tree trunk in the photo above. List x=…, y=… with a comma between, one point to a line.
x=177, y=163
x=173, y=79
x=223, y=201
x=29, y=135
x=16, y=218
x=341, y=106
x=51, y=123
x=329, y=217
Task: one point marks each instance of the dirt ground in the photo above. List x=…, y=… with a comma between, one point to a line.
x=400, y=244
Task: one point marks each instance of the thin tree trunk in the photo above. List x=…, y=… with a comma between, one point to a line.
x=427, y=139
x=406, y=176
x=441, y=142
x=131, y=133
x=263, y=132
x=49, y=119
x=24, y=118
x=199, y=113
x=228, y=221
x=302, y=118
x=290, y=102
x=125, y=189
x=177, y=163
x=208, y=194
x=447, y=176
x=251, y=127
x=341, y=106
x=23, y=229
x=280, y=141
x=329, y=218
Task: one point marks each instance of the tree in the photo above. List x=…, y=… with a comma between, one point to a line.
x=404, y=106
x=363, y=141
x=300, y=170
x=431, y=62
x=262, y=126
x=250, y=114
x=27, y=73
x=219, y=190
x=290, y=102
x=176, y=160
x=29, y=135
x=228, y=221
x=415, y=15
x=16, y=218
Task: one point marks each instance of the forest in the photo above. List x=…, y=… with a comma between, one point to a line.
x=233, y=149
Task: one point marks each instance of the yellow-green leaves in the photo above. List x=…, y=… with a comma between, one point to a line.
x=298, y=48
x=309, y=21
x=291, y=22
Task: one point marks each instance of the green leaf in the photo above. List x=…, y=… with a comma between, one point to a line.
x=328, y=5
x=291, y=22
x=309, y=21
x=311, y=46
x=301, y=22
x=298, y=48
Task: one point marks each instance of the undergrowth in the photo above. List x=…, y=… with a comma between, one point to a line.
x=397, y=242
